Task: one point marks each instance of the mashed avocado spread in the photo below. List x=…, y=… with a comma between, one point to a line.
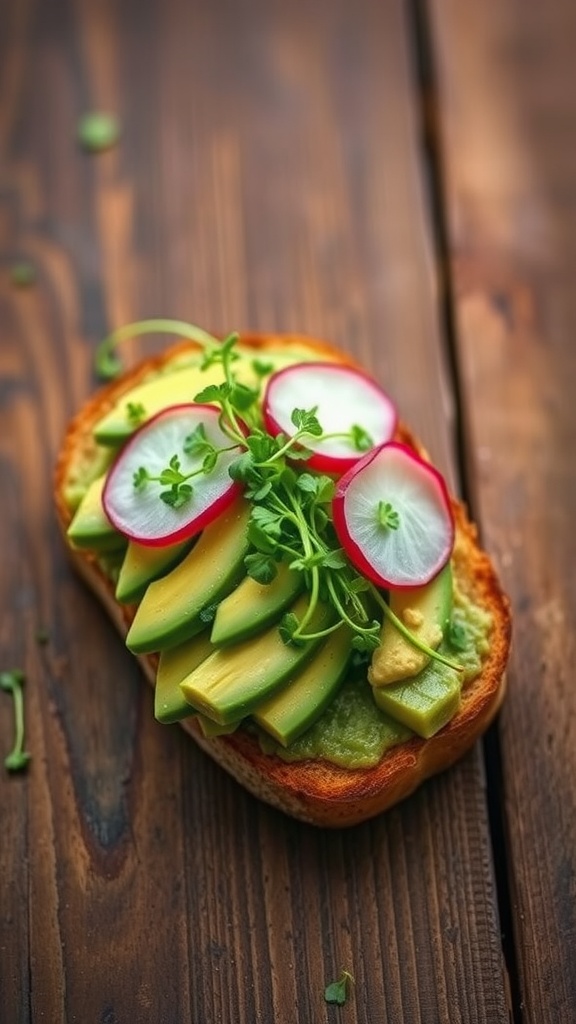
x=353, y=732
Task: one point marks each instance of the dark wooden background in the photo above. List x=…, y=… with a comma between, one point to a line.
x=401, y=179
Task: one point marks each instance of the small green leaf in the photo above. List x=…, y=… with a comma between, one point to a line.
x=267, y=519
x=106, y=363
x=307, y=421
x=367, y=642
x=197, y=442
x=335, y=559
x=213, y=393
x=259, y=492
x=338, y=991
x=325, y=490
x=135, y=413
x=261, y=567
x=140, y=478
x=288, y=628
x=177, y=496
x=210, y=460
x=388, y=518
x=307, y=483
x=242, y=397
x=262, y=369
x=361, y=439
x=261, y=540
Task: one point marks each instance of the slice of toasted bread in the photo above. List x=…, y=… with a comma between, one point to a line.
x=315, y=791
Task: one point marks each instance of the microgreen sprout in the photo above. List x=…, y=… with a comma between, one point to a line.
x=107, y=363
x=338, y=991
x=13, y=682
x=388, y=518
x=135, y=413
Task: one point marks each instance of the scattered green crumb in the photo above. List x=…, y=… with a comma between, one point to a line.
x=22, y=274
x=98, y=131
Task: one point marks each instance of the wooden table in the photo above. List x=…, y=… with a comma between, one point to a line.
x=398, y=178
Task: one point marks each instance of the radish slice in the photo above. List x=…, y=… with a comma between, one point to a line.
x=393, y=517
x=139, y=512
x=343, y=397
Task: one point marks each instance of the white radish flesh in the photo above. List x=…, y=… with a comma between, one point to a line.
x=343, y=398
x=140, y=513
x=416, y=538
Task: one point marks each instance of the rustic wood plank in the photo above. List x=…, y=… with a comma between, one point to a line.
x=268, y=177
x=507, y=117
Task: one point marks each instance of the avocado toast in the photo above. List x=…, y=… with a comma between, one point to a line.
x=338, y=726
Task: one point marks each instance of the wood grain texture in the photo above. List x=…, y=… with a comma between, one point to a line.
x=507, y=116
x=268, y=176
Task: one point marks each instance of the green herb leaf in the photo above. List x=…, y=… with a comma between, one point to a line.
x=135, y=413
x=288, y=628
x=360, y=438
x=197, y=443
x=305, y=420
x=367, y=642
x=262, y=369
x=140, y=478
x=261, y=567
x=262, y=541
x=387, y=516
x=209, y=462
x=338, y=991
x=242, y=397
x=178, y=495
x=213, y=393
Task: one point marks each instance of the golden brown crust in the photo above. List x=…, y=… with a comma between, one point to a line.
x=317, y=791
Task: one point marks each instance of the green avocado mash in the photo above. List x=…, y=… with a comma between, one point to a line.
x=353, y=732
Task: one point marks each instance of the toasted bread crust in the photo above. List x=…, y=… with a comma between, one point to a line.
x=315, y=791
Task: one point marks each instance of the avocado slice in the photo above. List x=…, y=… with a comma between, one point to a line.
x=152, y=397
x=254, y=606
x=178, y=385
x=90, y=527
x=426, y=703
x=425, y=611
x=287, y=714
x=232, y=681
x=170, y=611
x=142, y=565
x=173, y=666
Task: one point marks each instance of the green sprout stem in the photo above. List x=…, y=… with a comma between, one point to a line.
x=408, y=635
x=12, y=682
x=107, y=362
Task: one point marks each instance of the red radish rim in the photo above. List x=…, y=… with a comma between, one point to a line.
x=353, y=550
x=325, y=463
x=200, y=521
